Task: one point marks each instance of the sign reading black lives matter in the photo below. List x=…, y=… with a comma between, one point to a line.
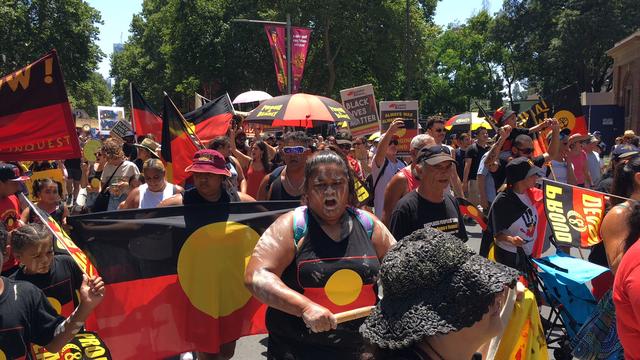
x=121, y=128
x=361, y=103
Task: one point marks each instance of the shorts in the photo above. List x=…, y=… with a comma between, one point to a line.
x=75, y=174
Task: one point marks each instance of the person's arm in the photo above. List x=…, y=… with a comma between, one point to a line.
x=263, y=193
x=456, y=184
x=381, y=238
x=513, y=240
x=24, y=217
x=614, y=230
x=133, y=199
x=484, y=200
x=245, y=197
x=175, y=200
x=271, y=151
x=587, y=173
x=554, y=146
x=494, y=152
x=243, y=159
x=241, y=178
x=541, y=126
x=465, y=175
x=381, y=152
x=571, y=176
x=84, y=179
x=394, y=191
x=273, y=253
x=91, y=294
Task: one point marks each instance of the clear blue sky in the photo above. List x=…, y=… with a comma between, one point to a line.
x=117, y=14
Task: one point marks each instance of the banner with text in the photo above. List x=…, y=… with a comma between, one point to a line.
x=35, y=116
x=109, y=117
x=361, y=103
x=299, y=45
x=408, y=111
x=574, y=213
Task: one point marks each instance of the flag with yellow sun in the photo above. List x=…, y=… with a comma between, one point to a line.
x=175, y=276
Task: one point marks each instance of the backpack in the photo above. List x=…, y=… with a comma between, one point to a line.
x=301, y=218
x=273, y=176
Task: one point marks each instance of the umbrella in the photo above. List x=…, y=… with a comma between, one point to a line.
x=374, y=136
x=251, y=96
x=466, y=122
x=298, y=110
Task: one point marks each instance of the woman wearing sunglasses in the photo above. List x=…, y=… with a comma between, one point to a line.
x=316, y=261
x=286, y=182
x=578, y=158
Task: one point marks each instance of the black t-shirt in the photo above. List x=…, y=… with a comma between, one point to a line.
x=460, y=155
x=475, y=153
x=413, y=212
x=25, y=317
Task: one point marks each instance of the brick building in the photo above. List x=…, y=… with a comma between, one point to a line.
x=626, y=79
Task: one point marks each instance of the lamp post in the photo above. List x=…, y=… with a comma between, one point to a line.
x=287, y=24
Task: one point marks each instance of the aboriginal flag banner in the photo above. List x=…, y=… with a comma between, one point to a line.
x=532, y=117
x=179, y=142
x=574, y=213
x=568, y=111
x=145, y=119
x=35, y=116
x=211, y=119
x=469, y=209
x=175, y=276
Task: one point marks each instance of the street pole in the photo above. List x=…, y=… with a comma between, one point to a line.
x=289, y=63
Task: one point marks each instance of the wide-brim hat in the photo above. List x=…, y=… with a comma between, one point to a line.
x=433, y=284
x=208, y=161
x=577, y=137
x=151, y=146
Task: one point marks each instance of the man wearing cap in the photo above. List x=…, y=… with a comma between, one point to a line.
x=405, y=180
x=429, y=205
x=10, y=180
x=435, y=128
x=385, y=164
x=147, y=149
x=513, y=218
x=343, y=139
x=619, y=155
x=128, y=148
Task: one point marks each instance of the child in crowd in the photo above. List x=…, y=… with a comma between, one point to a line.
x=48, y=192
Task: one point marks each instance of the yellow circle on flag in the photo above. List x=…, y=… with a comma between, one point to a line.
x=55, y=304
x=472, y=210
x=2, y=355
x=566, y=118
x=343, y=287
x=211, y=267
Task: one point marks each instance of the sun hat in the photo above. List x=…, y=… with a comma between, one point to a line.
x=433, y=284
x=10, y=172
x=434, y=155
x=521, y=168
x=151, y=146
x=208, y=161
x=577, y=137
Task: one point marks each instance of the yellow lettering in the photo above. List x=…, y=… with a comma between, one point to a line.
x=20, y=77
x=94, y=351
x=554, y=206
x=591, y=201
x=86, y=342
x=551, y=191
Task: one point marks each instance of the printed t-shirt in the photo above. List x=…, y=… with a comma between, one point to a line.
x=524, y=226
x=26, y=316
x=626, y=297
x=413, y=212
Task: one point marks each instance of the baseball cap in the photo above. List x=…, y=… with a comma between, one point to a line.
x=624, y=151
x=502, y=114
x=208, y=161
x=434, y=155
x=521, y=168
x=10, y=172
x=343, y=138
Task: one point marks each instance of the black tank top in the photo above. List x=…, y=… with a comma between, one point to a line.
x=337, y=275
x=279, y=193
x=192, y=196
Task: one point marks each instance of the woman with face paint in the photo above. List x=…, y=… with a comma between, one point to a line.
x=316, y=261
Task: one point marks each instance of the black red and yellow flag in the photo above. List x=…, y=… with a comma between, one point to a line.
x=35, y=117
x=532, y=117
x=145, y=119
x=568, y=110
x=179, y=142
x=175, y=276
x=574, y=213
x=211, y=119
x=469, y=209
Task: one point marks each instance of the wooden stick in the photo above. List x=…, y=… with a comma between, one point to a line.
x=353, y=314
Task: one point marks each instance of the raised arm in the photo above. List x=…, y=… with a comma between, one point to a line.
x=381, y=152
x=494, y=152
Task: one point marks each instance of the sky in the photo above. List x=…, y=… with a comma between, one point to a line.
x=117, y=15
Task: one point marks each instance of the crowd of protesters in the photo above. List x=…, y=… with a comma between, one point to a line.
x=411, y=199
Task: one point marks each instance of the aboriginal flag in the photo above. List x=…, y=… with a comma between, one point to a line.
x=211, y=119
x=35, y=116
x=179, y=142
x=175, y=276
x=567, y=109
x=469, y=209
x=532, y=117
x=574, y=213
x=145, y=119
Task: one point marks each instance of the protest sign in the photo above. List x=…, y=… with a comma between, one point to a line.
x=90, y=149
x=121, y=128
x=408, y=111
x=53, y=174
x=109, y=116
x=36, y=118
x=361, y=103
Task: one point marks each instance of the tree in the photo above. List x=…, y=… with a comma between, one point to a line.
x=88, y=94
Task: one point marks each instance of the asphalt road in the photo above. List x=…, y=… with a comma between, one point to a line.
x=255, y=347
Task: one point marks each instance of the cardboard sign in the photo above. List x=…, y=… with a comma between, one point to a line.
x=90, y=149
x=408, y=111
x=108, y=116
x=361, y=103
x=121, y=128
x=53, y=174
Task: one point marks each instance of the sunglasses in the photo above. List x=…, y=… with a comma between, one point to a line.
x=526, y=151
x=344, y=146
x=294, y=149
x=393, y=142
x=438, y=130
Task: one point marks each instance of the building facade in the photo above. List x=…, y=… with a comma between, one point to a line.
x=626, y=79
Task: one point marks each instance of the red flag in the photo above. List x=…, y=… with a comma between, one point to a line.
x=35, y=116
x=145, y=119
x=574, y=213
x=276, y=36
x=179, y=142
x=211, y=119
x=299, y=45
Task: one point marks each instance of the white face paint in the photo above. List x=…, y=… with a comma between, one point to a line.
x=328, y=192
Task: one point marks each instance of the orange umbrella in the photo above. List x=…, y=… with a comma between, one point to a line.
x=298, y=110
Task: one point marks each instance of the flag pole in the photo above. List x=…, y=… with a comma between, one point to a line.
x=591, y=190
x=133, y=122
x=186, y=128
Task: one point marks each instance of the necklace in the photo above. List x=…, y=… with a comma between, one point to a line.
x=297, y=189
